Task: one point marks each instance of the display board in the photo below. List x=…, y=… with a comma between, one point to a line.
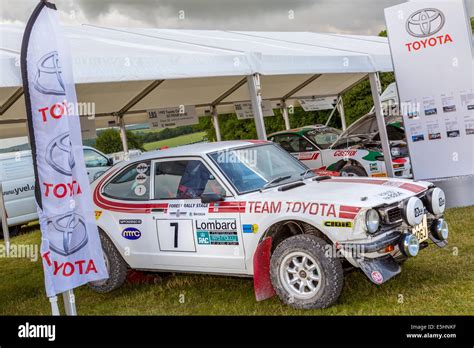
x=317, y=104
x=431, y=46
x=183, y=115
x=244, y=110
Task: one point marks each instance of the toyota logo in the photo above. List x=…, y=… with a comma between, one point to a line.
x=59, y=154
x=48, y=78
x=425, y=22
x=67, y=233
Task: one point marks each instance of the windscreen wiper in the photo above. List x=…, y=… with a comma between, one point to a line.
x=275, y=181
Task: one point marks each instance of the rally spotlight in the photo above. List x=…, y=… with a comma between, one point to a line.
x=409, y=245
x=440, y=229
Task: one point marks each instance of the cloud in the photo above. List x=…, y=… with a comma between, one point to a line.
x=344, y=16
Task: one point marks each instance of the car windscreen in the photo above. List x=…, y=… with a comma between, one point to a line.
x=251, y=168
x=323, y=137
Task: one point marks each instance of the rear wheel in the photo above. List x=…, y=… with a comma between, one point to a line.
x=352, y=170
x=116, y=266
x=304, y=275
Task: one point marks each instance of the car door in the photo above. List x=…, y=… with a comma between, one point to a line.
x=192, y=235
x=300, y=148
x=96, y=163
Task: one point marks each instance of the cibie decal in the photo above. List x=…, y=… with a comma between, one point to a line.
x=376, y=277
x=98, y=214
x=250, y=228
x=131, y=233
x=342, y=224
x=217, y=232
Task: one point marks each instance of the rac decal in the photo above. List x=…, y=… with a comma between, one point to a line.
x=308, y=156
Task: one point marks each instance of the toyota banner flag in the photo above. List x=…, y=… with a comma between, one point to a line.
x=70, y=246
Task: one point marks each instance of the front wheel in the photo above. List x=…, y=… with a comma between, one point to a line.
x=116, y=267
x=304, y=274
x=353, y=171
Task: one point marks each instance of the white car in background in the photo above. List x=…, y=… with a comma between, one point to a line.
x=18, y=183
x=248, y=208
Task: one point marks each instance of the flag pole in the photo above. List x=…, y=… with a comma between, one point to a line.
x=70, y=303
x=54, y=305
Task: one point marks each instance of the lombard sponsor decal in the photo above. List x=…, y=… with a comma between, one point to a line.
x=131, y=233
x=130, y=222
x=217, y=232
x=250, y=228
x=339, y=224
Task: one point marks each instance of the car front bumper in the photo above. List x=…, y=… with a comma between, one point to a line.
x=380, y=259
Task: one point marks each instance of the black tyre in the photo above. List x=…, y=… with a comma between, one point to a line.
x=116, y=267
x=13, y=230
x=353, y=171
x=304, y=275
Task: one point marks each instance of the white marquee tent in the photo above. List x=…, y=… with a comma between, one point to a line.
x=127, y=71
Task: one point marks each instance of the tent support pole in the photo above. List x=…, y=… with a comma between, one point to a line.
x=374, y=86
x=301, y=86
x=253, y=81
x=11, y=100
x=69, y=303
x=54, y=305
x=3, y=216
x=342, y=113
x=215, y=121
x=123, y=134
x=284, y=112
x=331, y=115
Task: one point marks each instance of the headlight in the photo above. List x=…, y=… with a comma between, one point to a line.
x=395, y=151
x=410, y=245
x=440, y=229
x=413, y=211
x=436, y=201
x=372, y=220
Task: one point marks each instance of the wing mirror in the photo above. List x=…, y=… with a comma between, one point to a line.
x=110, y=162
x=211, y=198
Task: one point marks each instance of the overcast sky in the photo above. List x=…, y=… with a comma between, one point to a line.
x=342, y=16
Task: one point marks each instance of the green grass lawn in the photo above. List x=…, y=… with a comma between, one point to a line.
x=437, y=282
x=181, y=140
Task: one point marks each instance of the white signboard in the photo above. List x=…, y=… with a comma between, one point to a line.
x=88, y=128
x=432, y=54
x=244, y=110
x=317, y=104
x=183, y=115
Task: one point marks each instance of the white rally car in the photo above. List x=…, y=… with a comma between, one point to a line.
x=248, y=208
x=355, y=152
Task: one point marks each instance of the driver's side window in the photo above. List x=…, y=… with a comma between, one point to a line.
x=186, y=179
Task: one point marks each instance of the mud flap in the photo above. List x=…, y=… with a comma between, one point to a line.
x=261, y=270
x=379, y=270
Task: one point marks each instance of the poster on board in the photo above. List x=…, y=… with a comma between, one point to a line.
x=431, y=45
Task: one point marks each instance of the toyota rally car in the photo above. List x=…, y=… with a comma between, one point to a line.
x=248, y=208
x=355, y=152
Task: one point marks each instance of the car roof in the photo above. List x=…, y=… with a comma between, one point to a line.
x=198, y=149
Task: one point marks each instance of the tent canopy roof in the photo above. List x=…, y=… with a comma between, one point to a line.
x=193, y=67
